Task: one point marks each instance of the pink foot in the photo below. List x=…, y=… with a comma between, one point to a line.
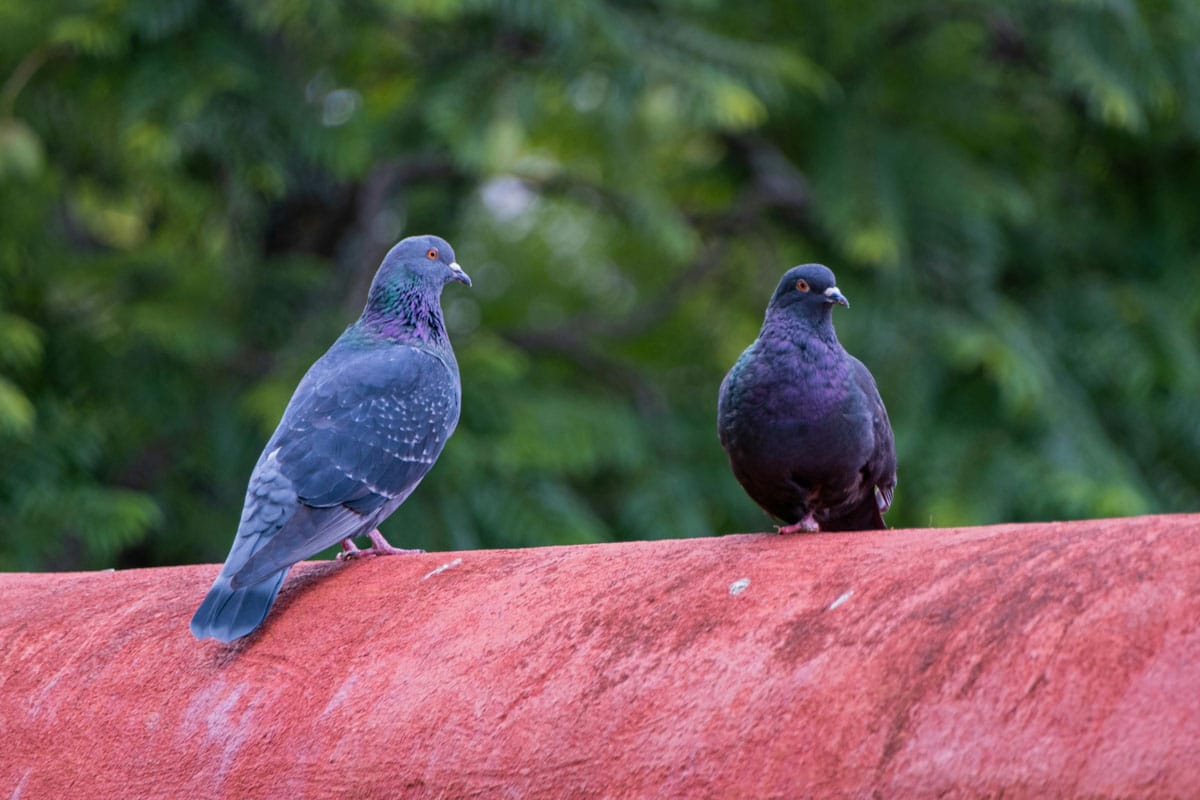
x=806, y=525
x=379, y=547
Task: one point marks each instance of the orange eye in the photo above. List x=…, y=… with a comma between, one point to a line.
x=802, y=285
x=431, y=254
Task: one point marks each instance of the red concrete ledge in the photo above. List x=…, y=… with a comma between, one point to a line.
x=1016, y=660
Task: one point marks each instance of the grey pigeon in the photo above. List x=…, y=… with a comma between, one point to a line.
x=801, y=419
x=362, y=429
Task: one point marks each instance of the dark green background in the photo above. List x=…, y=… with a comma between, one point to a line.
x=194, y=196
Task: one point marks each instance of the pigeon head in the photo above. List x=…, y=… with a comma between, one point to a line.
x=404, y=301
x=426, y=261
x=808, y=292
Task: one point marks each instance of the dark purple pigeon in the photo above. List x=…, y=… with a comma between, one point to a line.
x=364, y=426
x=801, y=419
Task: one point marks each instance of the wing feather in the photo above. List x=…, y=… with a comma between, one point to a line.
x=360, y=433
x=880, y=469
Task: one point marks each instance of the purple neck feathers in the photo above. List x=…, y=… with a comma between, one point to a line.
x=403, y=314
x=786, y=324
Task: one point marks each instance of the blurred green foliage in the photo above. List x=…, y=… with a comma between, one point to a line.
x=194, y=197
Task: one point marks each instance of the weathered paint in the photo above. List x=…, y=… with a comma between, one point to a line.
x=1019, y=660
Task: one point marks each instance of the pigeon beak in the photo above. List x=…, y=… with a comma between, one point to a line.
x=457, y=274
x=834, y=295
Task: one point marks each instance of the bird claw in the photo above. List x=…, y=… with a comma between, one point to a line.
x=379, y=547
x=382, y=551
x=357, y=553
x=806, y=525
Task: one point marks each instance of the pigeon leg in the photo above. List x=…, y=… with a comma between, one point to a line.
x=806, y=525
x=379, y=547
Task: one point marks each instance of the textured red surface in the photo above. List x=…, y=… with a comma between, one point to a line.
x=1023, y=660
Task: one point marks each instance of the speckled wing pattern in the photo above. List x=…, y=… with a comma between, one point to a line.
x=361, y=432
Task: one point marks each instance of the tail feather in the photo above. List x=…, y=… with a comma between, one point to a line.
x=863, y=516
x=228, y=613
